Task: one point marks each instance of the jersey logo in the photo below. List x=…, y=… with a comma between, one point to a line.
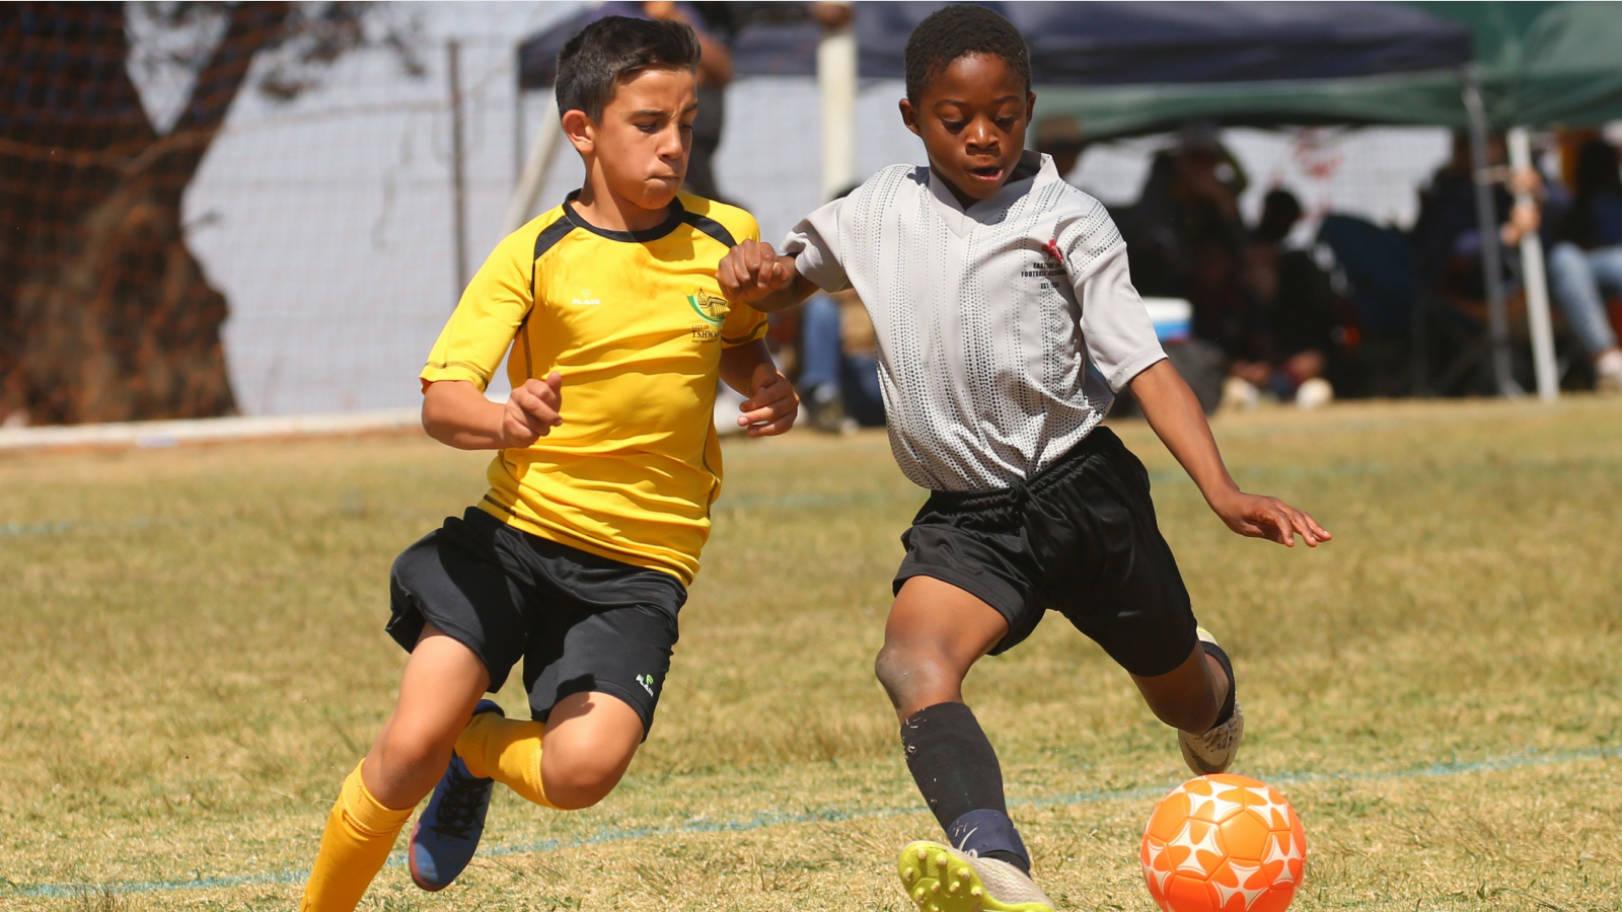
x=708, y=307
x=585, y=299
x=712, y=309
x=1043, y=269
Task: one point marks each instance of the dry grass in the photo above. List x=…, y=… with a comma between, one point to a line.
x=194, y=658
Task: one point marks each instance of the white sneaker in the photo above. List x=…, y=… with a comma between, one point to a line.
x=1314, y=392
x=1239, y=395
x=1213, y=751
x=1608, y=372
x=939, y=878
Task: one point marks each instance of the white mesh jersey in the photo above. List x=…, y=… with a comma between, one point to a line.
x=1004, y=329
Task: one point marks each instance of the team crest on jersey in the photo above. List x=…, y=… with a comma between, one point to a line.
x=712, y=309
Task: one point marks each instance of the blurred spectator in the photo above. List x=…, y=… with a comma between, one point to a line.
x=1585, y=262
x=1185, y=233
x=1449, y=246
x=1283, y=339
x=1447, y=235
x=836, y=361
x=1061, y=137
x=716, y=25
x=839, y=379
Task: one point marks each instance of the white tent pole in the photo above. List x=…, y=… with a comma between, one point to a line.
x=536, y=166
x=836, y=85
x=1487, y=224
x=1536, y=283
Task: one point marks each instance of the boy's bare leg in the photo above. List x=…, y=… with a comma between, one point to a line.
x=934, y=635
x=1189, y=696
x=571, y=761
x=1197, y=698
x=443, y=680
x=590, y=740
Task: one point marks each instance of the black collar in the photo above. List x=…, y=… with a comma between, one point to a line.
x=673, y=219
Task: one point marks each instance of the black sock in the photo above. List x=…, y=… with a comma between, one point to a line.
x=957, y=772
x=1226, y=712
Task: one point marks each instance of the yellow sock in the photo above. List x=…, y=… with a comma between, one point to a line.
x=506, y=750
x=360, y=833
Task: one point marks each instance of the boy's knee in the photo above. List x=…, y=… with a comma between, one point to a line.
x=580, y=782
x=411, y=759
x=911, y=675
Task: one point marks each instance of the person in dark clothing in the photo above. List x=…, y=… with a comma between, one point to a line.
x=1585, y=262
x=1282, y=338
x=716, y=25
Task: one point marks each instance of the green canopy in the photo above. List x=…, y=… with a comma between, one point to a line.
x=1545, y=64
x=1537, y=64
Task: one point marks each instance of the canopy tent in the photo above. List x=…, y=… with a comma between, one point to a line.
x=1105, y=43
x=1124, y=67
x=1530, y=65
x=1536, y=65
x=768, y=42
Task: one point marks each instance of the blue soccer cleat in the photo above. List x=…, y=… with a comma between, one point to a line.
x=448, y=831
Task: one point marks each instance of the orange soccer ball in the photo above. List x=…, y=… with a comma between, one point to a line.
x=1223, y=843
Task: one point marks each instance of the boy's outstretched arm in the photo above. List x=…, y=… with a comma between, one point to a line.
x=1176, y=417
x=455, y=413
x=753, y=273
x=772, y=403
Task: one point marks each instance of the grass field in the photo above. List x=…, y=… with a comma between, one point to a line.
x=193, y=658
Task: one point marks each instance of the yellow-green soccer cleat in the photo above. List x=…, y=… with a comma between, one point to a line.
x=1213, y=751
x=941, y=879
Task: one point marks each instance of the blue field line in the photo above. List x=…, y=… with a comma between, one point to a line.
x=765, y=819
x=62, y=527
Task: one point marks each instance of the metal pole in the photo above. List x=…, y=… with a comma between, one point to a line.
x=1534, y=280
x=536, y=166
x=836, y=84
x=1487, y=224
x=453, y=52
x=518, y=130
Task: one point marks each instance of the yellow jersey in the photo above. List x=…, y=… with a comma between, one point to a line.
x=635, y=323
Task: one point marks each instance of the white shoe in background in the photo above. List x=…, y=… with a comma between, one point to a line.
x=1314, y=393
x=1608, y=372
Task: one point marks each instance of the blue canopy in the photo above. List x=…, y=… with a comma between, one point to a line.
x=1106, y=43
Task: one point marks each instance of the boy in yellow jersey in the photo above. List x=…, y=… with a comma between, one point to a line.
x=578, y=557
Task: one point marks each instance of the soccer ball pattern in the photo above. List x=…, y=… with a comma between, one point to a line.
x=1223, y=843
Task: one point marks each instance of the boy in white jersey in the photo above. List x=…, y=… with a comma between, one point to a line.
x=1006, y=320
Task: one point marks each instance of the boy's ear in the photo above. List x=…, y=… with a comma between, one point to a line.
x=909, y=116
x=579, y=129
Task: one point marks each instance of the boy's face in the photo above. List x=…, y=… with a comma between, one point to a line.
x=644, y=136
x=972, y=118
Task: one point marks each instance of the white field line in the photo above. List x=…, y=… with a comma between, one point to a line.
x=197, y=430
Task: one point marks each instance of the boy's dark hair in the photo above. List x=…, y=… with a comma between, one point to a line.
x=613, y=49
x=956, y=31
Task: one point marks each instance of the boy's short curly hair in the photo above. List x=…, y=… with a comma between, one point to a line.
x=956, y=31
x=613, y=49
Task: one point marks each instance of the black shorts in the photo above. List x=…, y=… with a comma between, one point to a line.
x=580, y=622
x=1079, y=538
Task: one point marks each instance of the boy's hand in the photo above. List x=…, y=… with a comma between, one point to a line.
x=532, y=411
x=772, y=404
x=1270, y=518
x=752, y=271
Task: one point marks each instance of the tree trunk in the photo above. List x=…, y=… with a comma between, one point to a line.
x=105, y=314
